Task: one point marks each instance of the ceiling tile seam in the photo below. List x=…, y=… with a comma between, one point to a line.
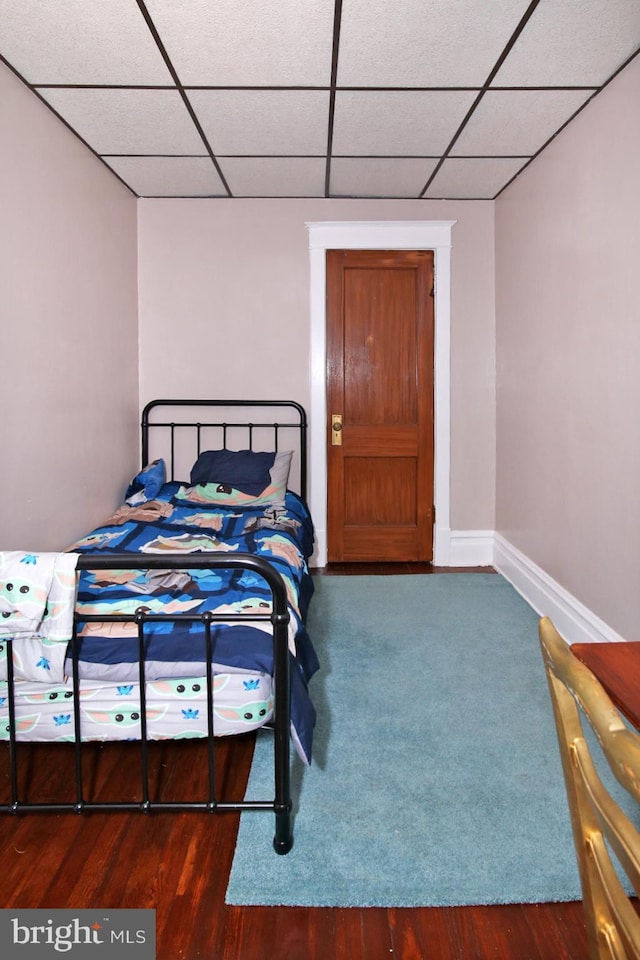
x=335, y=48
x=324, y=88
x=454, y=88
x=185, y=99
x=503, y=56
x=103, y=86
x=319, y=156
x=540, y=87
x=302, y=196
x=168, y=156
x=304, y=87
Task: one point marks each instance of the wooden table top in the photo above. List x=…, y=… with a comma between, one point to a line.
x=617, y=667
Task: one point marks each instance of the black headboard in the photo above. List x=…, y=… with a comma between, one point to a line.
x=179, y=430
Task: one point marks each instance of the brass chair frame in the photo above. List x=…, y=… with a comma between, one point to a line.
x=598, y=822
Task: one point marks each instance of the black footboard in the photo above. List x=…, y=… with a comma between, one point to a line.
x=280, y=804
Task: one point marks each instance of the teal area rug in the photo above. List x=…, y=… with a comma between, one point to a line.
x=436, y=778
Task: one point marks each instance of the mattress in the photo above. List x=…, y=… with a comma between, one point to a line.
x=176, y=708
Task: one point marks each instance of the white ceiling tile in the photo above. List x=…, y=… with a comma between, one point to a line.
x=517, y=122
x=415, y=43
x=573, y=42
x=247, y=42
x=274, y=176
x=67, y=41
x=379, y=176
x=128, y=121
x=169, y=176
x=263, y=121
x=479, y=178
x=393, y=123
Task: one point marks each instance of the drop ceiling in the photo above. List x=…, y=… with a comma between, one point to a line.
x=416, y=99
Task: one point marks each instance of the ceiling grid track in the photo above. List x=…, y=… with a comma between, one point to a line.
x=364, y=99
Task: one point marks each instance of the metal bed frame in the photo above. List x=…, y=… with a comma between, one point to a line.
x=298, y=424
x=281, y=803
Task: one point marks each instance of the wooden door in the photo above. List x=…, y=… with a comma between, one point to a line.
x=380, y=361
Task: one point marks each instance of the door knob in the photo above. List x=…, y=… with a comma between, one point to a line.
x=336, y=429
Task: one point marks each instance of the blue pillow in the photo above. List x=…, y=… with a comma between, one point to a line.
x=244, y=470
x=147, y=484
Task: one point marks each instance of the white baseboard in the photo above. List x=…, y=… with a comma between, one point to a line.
x=573, y=620
x=469, y=548
x=319, y=555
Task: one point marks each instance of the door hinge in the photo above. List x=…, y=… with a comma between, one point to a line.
x=433, y=513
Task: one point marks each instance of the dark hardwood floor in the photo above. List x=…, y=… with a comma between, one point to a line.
x=389, y=569
x=178, y=863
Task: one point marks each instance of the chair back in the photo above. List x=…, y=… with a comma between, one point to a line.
x=598, y=822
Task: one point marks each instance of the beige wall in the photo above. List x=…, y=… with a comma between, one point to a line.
x=68, y=316
x=224, y=284
x=568, y=357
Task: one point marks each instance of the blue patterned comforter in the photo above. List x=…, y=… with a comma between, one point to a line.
x=172, y=524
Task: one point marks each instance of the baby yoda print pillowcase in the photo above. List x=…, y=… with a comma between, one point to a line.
x=231, y=478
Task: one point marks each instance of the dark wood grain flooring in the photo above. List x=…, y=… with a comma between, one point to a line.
x=178, y=864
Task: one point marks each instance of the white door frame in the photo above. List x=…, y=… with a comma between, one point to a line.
x=381, y=235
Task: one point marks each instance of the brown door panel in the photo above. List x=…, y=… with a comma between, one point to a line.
x=370, y=546
x=380, y=491
x=381, y=441
x=380, y=381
